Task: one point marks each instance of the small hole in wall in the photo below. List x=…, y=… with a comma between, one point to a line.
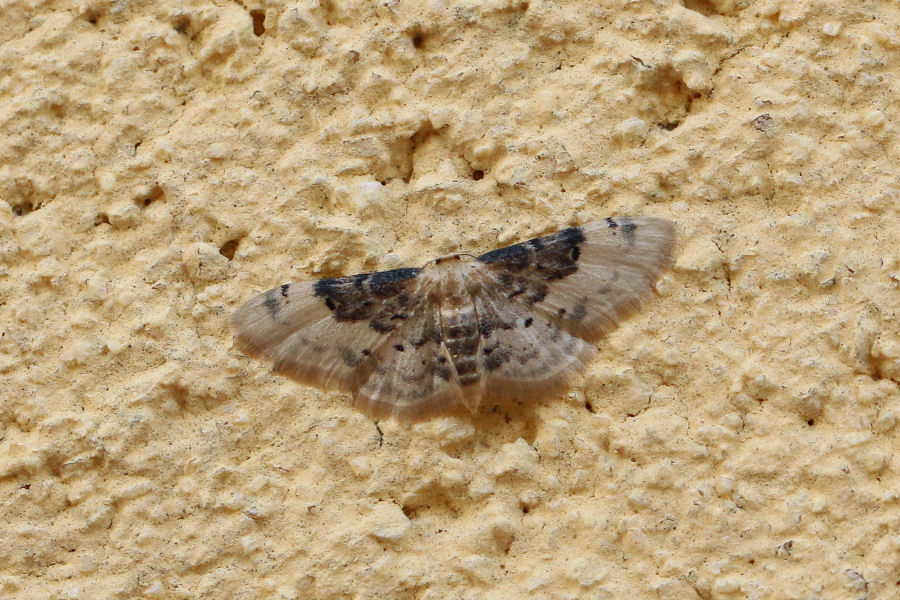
x=589, y=407
x=704, y=7
x=259, y=21
x=181, y=23
x=155, y=193
x=229, y=248
x=418, y=40
x=100, y=219
x=23, y=207
x=477, y=174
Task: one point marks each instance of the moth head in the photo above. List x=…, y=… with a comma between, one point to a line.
x=448, y=259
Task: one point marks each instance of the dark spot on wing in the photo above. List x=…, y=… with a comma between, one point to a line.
x=608, y=282
x=386, y=284
x=284, y=290
x=527, y=355
x=558, y=258
x=628, y=229
x=526, y=269
x=485, y=326
x=489, y=320
x=512, y=258
x=350, y=358
x=382, y=326
x=494, y=358
x=540, y=292
x=579, y=312
x=555, y=332
x=398, y=347
x=382, y=298
x=528, y=322
x=270, y=300
x=627, y=226
x=366, y=352
x=430, y=332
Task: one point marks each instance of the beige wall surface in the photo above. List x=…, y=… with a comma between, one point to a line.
x=161, y=162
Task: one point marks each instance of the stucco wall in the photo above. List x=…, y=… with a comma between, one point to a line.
x=160, y=162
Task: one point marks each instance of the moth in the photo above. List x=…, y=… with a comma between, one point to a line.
x=413, y=343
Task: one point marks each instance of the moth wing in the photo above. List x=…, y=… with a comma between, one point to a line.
x=412, y=378
x=524, y=353
x=295, y=330
x=618, y=264
x=543, y=302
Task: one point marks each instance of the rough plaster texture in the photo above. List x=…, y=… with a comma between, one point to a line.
x=162, y=161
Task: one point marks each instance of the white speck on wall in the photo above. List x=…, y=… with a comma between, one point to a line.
x=387, y=522
x=831, y=28
x=634, y=130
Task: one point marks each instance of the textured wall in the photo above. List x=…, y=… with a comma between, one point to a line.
x=162, y=161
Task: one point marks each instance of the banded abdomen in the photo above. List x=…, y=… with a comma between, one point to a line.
x=459, y=330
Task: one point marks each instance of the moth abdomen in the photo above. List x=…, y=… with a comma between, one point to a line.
x=467, y=369
x=461, y=336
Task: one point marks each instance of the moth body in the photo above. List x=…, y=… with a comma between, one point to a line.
x=452, y=278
